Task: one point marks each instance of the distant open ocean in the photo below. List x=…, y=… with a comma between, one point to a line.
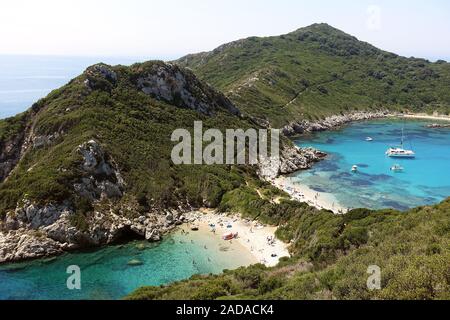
x=26, y=79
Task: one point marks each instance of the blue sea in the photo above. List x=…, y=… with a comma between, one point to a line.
x=424, y=181
x=26, y=79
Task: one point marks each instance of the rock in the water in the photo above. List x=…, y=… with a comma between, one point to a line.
x=135, y=262
x=140, y=246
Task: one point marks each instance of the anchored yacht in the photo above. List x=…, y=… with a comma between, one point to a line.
x=400, y=152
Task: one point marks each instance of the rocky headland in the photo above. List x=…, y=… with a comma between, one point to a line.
x=35, y=230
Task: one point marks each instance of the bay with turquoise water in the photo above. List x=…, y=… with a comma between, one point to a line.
x=106, y=273
x=424, y=181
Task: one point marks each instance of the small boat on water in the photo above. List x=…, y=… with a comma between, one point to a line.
x=355, y=168
x=230, y=236
x=369, y=139
x=397, y=168
x=400, y=152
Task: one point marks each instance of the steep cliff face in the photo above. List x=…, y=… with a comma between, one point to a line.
x=169, y=83
x=292, y=159
x=99, y=177
x=90, y=164
x=34, y=229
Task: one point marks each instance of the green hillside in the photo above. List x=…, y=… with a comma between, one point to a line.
x=116, y=107
x=331, y=256
x=318, y=71
x=94, y=156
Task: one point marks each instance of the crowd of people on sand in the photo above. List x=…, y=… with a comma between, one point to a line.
x=226, y=223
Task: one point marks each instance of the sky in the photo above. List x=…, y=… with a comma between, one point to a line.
x=168, y=29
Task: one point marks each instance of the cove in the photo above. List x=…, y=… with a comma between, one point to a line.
x=113, y=272
x=424, y=181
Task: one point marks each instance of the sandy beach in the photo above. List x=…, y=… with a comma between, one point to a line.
x=426, y=117
x=303, y=193
x=257, y=239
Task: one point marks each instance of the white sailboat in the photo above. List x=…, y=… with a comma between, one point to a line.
x=400, y=152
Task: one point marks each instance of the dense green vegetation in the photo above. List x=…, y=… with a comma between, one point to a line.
x=331, y=255
x=133, y=128
x=318, y=71
x=310, y=73
x=12, y=126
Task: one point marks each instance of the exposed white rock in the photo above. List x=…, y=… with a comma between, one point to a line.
x=42, y=141
x=169, y=83
x=25, y=244
x=33, y=216
x=292, y=159
x=101, y=178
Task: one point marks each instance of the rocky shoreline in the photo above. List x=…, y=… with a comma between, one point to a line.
x=332, y=122
x=294, y=159
x=26, y=243
x=437, y=126
x=37, y=231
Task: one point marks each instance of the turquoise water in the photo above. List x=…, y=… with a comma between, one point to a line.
x=425, y=180
x=105, y=273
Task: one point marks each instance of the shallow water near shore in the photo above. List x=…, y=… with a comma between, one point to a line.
x=107, y=274
x=424, y=181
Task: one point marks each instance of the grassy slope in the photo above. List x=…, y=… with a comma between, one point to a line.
x=321, y=71
x=12, y=126
x=133, y=128
x=331, y=255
